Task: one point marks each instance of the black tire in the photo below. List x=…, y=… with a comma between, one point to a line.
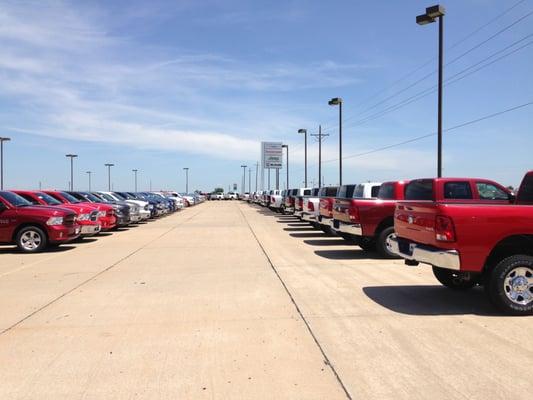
x=499, y=290
x=455, y=280
x=367, y=244
x=31, y=239
x=382, y=243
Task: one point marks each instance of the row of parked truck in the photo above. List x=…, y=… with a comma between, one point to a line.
x=34, y=220
x=471, y=231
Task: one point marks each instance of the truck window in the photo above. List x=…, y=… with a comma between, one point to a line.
x=419, y=190
x=15, y=199
x=457, y=191
x=307, y=192
x=525, y=193
x=346, y=191
x=359, y=191
x=488, y=191
x=331, y=191
x=29, y=198
x=386, y=191
x=374, y=191
x=315, y=192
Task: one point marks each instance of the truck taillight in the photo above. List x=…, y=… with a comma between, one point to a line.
x=310, y=206
x=300, y=203
x=272, y=199
x=444, y=229
x=353, y=212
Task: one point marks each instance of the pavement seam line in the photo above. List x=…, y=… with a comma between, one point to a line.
x=9, y=328
x=300, y=313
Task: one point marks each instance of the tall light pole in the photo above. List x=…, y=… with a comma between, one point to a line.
x=108, y=165
x=89, y=173
x=337, y=101
x=256, y=173
x=249, y=180
x=243, y=178
x=304, y=131
x=186, y=169
x=2, y=140
x=135, y=175
x=287, y=147
x=72, y=157
x=432, y=14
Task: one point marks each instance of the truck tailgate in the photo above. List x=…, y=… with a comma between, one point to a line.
x=416, y=221
x=341, y=210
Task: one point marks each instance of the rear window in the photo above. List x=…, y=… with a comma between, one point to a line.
x=457, y=191
x=419, y=190
x=488, y=191
x=307, y=192
x=386, y=191
x=329, y=191
x=346, y=191
x=525, y=194
x=359, y=191
x=375, y=190
x=315, y=191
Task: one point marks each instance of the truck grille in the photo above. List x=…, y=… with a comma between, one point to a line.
x=69, y=220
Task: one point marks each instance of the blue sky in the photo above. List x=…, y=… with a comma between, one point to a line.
x=163, y=85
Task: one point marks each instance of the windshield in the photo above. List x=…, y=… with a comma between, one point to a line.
x=92, y=197
x=119, y=196
x=69, y=197
x=346, y=191
x=48, y=199
x=106, y=197
x=15, y=199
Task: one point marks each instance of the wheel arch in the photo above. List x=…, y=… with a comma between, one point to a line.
x=384, y=224
x=509, y=246
x=29, y=224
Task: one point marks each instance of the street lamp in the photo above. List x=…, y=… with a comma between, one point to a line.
x=337, y=101
x=72, y=157
x=432, y=14
x=186, y=179
x=89, y=173
x=135, y=173
x=287, y=147
x=108, y=165
x=2, y=140
x=304, y=131
x=243, y=178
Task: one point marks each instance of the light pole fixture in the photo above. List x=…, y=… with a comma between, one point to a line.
x=89, y=173
x=243, y=178
x=2, y=140
x=108, y=165
x=286, y=146
x=186, y=169
x=72, y=157
x=304, y=131
x=337, y=101
x=432, y=14
x=135, y=174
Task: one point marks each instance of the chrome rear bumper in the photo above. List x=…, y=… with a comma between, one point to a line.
x=442, y=258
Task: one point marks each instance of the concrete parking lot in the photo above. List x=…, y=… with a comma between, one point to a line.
x=231, y=301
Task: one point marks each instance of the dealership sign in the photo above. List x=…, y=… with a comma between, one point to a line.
x=272, y=155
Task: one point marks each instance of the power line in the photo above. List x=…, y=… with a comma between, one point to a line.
x=475, y=47
x=448, y=81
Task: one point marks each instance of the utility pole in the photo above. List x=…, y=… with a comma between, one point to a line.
x=243, y=187
x=256, y=173
x=72, y=157
x=304, y=131
x=109, y=165
x=249, y=180
x=2, y=140
x=135, y=173
x=320, y=137
x=186, y=169
x=89, y=173
x=287, y=147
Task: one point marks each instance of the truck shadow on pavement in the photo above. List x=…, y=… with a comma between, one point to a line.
x=307, y=235
x=300, y=229
x=328, y=242
x=431, y=300
x=55, y=249
x=355, y=254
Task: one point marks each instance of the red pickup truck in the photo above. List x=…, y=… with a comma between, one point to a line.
x=33, y=228
x=327, y=196
x=86, y=217
x=472, y=231
x=369, y=221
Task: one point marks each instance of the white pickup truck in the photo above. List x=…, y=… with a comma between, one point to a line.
x=310, y=208
x=275, y=200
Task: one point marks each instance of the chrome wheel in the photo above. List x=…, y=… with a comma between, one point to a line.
x=30, y=240
x=518, y=285
x=388, y=243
